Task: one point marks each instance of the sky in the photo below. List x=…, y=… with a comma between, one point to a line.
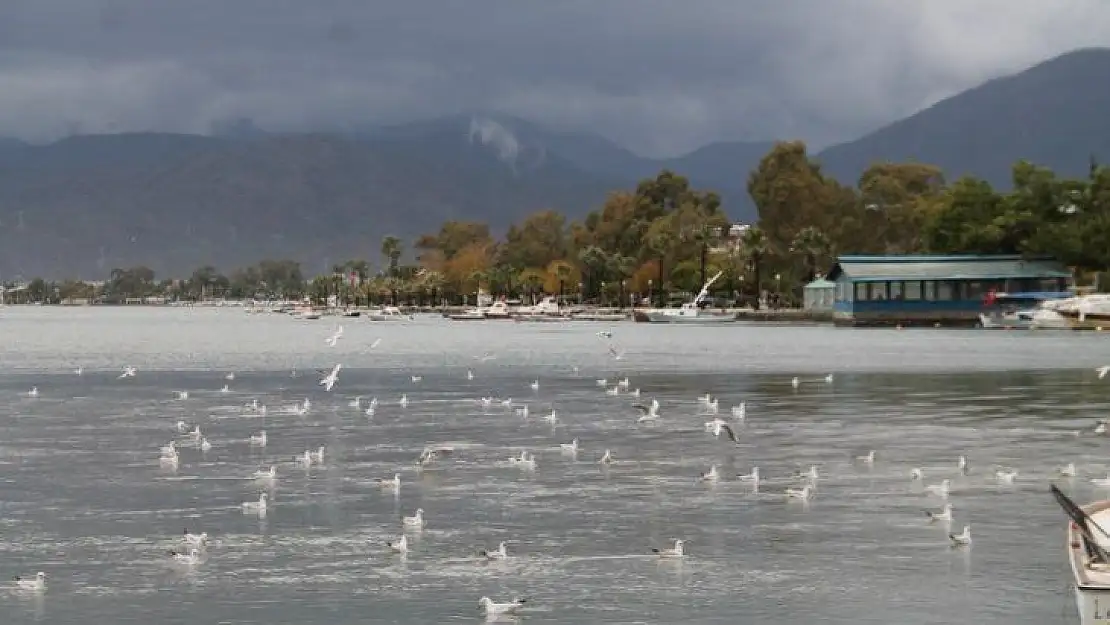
x=660, y=77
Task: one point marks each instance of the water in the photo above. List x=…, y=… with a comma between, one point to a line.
x=82, y=496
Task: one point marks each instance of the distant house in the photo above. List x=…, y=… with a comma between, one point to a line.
x=946, y=290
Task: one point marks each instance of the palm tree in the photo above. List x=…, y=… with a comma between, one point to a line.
x=813, y=245
x=660, y=244
x=391, y=252
x=561, y=272
x=532, y=280
x=755, y=246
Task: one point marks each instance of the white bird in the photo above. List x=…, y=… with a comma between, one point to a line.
x=128, y=372
x=318, y=455
x=616, y=390
x=404, y=402
x=649, y=412
x=170, y=460
x=945, y=514
x=605, y=334
x=393, y=484
x=570, y=448
x=230, y=377
x=268, y=475
x=709, y=476
x=307, y=404
x=469, y=374
x=205, y=445
x=416, y=521
x=36, y=584
x=634, y=392
x=196, y=541
x=810, y=474
x=181, y=394
x=524, y=461
x=399, y=546
x=492, y=608
x=961, y=464
x=963, y=539
x=1102, y=371
x=535, y=385
x=34, y=392
x=803, y=493
x=334, y=338
x=356, y=402
x=677, y=551
x=416, y=379
x=258, y=440
x=940, y=490
x=602, y=382
x=606, y=458
x=507, y=403
x=257, y=507
x=1005, y=477
x=916, y=474
x=79, y=370
x=552, y=417
x=500, y=553
x=305, y=459
x=190, y=558
x=623, y=383
x=713, y=406
x=225, y=389
x=752, y=477
x=330, y=379
x=705, y=399
x=522, y=412
x=795, y=382
x=717, y=426
x=829, y=379
x=1068, y=470
x=195, y=434
x=740, y=411
x=182, y=427
x=868, y=458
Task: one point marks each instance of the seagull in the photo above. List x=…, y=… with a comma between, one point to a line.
x=330, y=379
x=507, y=403
x=181, y=394
x=829, y=379
x=712, y=407
x=623, y=383
x=1102, y=371
x=717, y=426
x=196, y=541
x=606, y=458
x=334, y=338
x=230, y=376
x=752, y=478
x=1005, y=477
x=416, y=521
x=963, y=539
x=961, y=464
x=634, y=392
x=570, y=448
x=393, y=484
x=79, y=370
x=128, y=372
x=38, y=584
x=616, y=390
x=795, y=382
x=605, y=334
x=1067, y=470
x=602, y=382
x=677, y=551
x=803, y=493
x=416, y=378
x=500, y=553
x=522, y=412
x=225, y=389
x=944, y=515
x=647, y=413
x=431, y=454
x=916, y=474
x=940, y=490
x=869, y=458
x=525, y=461
x=810, y=475
x=356, y=402
x=404, y=402
x=268, y=475
x=535, y=385
x=190, y=558
x=740, y=411
x=399, y=546
x=205, y=445
x=709, y=476
x=469, y=374
x=257, y=507
x=552, y=417
x=492, y=608
x=258, y=440
x=34, y=392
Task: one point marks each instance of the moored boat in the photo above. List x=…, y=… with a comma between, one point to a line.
x=689, y=313
x=1010, y=311
x=473, y=314
x=1082, y=312
x=1087, y=544
x=388, y=313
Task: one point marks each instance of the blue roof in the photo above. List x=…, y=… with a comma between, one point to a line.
x=962, y=267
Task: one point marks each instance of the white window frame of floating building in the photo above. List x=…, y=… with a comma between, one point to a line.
x=1026, y=275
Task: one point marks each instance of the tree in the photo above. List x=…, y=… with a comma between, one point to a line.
x=814, y=247
x=755, y=245
x=559, y=273
x=532, y=280
x=391, y=252
x=540, y=239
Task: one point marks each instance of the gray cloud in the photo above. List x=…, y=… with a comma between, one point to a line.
x=659, y=76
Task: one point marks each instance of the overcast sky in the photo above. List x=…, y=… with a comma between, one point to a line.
x=659, y=76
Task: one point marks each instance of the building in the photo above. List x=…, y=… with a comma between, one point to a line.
x=819, y=296
x=930, y=290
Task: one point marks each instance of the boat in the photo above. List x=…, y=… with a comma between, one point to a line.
x=472, y=314
x=548, y=309
x=306, y=313
x=1087, y=544
x=388, y=313
x=1081, y=312
x=690, y=312
x=1009, y=311
x=497, y=310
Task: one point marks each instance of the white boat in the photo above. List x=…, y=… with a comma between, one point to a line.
x=1011, y=311
x=497, y=310
x=306, y=313
x=690, y=312
x=548, y=309
x=473, y=314
x=1082, y=312
x=1087, y=547
x=388, y=313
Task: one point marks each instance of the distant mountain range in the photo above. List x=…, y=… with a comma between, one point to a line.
x=86, y=204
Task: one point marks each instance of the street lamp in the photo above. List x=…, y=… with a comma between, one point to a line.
x=602, y=295
x=581, y=292
x=624, y=289
x=651, y=293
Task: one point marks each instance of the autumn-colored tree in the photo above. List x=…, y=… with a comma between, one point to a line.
x=453, y=237
x=468, y=269
x=538, y=240
x=559, y=274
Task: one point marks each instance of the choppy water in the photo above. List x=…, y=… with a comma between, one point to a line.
x=82, y=496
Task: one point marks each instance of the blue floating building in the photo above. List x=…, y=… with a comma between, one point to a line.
x=931, y=290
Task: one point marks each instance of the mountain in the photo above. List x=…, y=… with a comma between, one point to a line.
x=1053, y=114
x=83, y=205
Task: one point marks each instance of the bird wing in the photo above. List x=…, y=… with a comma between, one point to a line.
x=642, y=408
x=731, y=434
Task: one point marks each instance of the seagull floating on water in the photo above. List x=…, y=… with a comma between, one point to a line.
x=740, y=411
x=492, y=608
x=404, y=402
x=647, y=413
x=399, y=546
x=677, y=551
x=258, y=440
x=267, y=475
x=709, y=476
x=393, y=484
x=940, y=490
x=868, y=458
x=416, y=521
x=535, y=385
x=197, y=541
x=35, y=584
x=752, y=478
x=469, y=374
x=916, y=474
x=1005, y=477
x=1102, y=371
x=945, y=514
x=804, y=493
x=416, y=379
x=128, y=372
x=606, y=458
x=963, y=539
x=34, y=392
x=182, y=394
x=795, y=382
x=256, y=507
x=1068, y=470
x=570, y=448
x=500, y=553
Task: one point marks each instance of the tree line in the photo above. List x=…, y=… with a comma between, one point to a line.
x=661, y=239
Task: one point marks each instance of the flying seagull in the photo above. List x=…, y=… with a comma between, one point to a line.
x=331, y=378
